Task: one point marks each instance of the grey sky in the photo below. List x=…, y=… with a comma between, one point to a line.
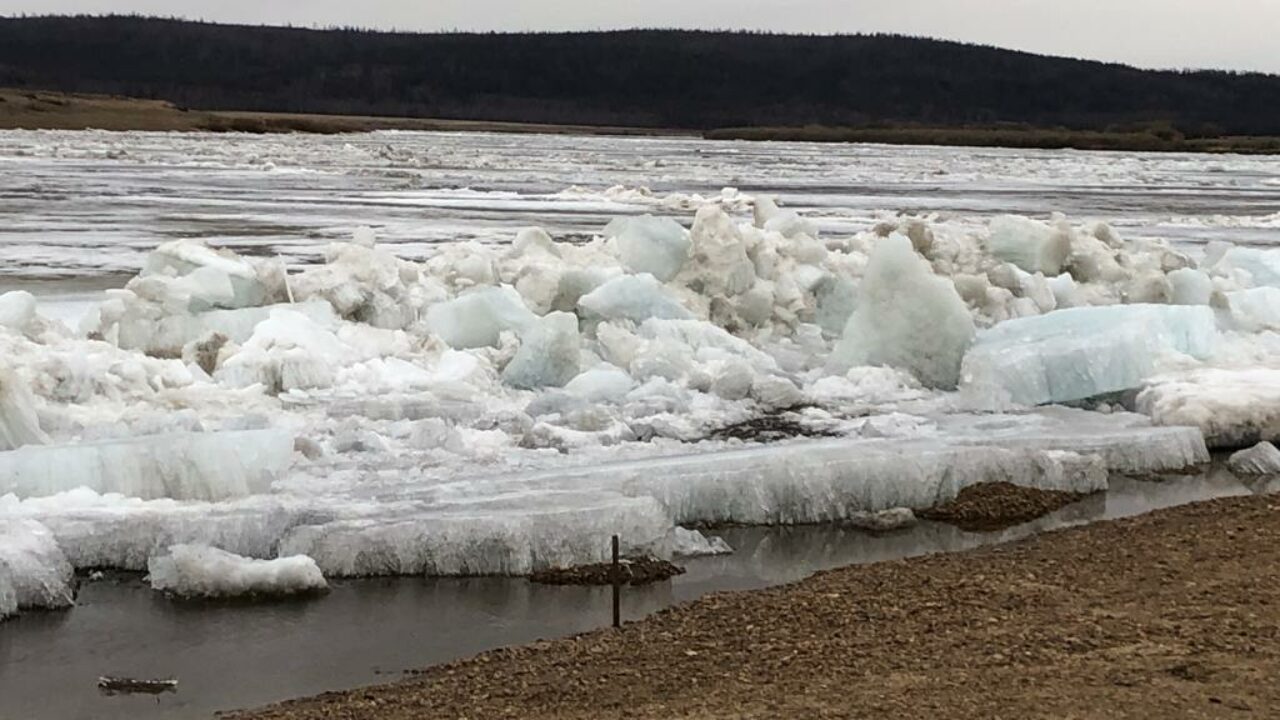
x=1236, y=34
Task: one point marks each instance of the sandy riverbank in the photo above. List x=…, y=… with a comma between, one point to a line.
x=1174, y=614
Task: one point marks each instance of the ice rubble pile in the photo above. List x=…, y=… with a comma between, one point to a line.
x=541, y=313
x=194, y=571
x=501, y=409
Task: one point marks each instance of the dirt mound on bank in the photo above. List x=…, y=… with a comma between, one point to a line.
x=995, y=506
x=631, y=571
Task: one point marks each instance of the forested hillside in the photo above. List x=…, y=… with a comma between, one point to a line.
x=650, y=78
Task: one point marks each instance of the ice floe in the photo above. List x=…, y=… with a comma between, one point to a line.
x=194, y=571
x=1261, y=459
x=1080, y=353
x=182, y=466
x=1234, y=408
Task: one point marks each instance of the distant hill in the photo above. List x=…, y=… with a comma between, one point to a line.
x=643, y=78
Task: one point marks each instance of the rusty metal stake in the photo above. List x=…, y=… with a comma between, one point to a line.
x=617, y=585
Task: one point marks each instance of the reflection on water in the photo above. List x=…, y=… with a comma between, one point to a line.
x=369, y=631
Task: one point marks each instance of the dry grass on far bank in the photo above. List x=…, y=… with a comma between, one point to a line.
x=41, y=110
x=1009, y=137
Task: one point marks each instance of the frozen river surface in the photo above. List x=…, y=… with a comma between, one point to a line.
x=92, y=204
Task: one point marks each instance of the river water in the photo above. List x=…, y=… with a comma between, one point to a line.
x=92, y=204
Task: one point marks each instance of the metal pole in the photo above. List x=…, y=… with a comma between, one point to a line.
x=617, y=585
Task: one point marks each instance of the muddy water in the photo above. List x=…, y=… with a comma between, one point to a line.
x=371, y=631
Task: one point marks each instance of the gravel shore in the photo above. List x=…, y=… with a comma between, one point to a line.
x=1174, y=614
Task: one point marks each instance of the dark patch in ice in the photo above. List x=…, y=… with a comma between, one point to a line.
x=162, y=353
x=574, y=238
x=1126, y=400
x=770, y=428
x=207, y=350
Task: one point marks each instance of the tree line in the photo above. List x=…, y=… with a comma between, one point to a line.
x=644, y=78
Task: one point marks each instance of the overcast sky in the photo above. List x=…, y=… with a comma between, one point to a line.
x=1237, y=34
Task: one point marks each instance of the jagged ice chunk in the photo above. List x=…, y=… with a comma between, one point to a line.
x=906, y=318
x=647, y=244
x=633, y=297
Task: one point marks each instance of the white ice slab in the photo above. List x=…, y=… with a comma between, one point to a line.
x=183, y=466
x=478, y=318
x=502, y=522
x=1261, y=459
x=167, y=334
x=112, y=531
x=1127, y=442
x=17, y=310
x=1255, y=310
x=506, y=536
x=1081, y=353
x=548, y=355
x=1030, y=244
x=185, y=258
x=1234, y=408
x=646, y=244
x=1262, y=266
x=632, y=297
x=199, y=571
